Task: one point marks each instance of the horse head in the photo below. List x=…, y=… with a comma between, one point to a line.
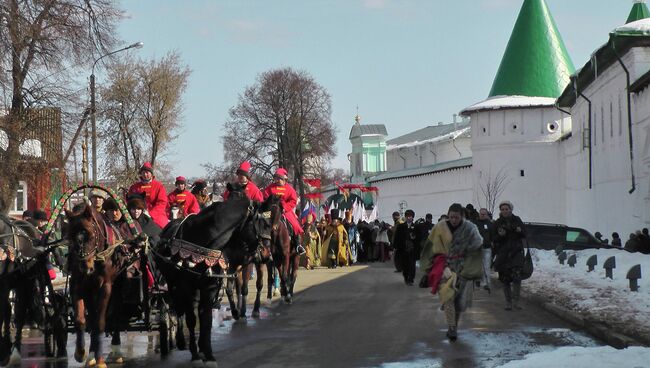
x=86, y=237
x=267, y=218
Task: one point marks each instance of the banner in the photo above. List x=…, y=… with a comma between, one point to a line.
x=312, y=182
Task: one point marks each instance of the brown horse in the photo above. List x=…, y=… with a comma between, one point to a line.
x=285, y=257
x=96, y=258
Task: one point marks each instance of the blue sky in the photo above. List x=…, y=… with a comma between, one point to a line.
x=406, y=64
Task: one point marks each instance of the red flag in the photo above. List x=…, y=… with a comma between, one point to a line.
x=312, y=182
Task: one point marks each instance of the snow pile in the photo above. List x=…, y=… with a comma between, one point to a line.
x=592, y=294
x=580, y=357
x=596, y=298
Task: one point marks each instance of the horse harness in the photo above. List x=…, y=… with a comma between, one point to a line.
x=110, y=245
x=192, y=254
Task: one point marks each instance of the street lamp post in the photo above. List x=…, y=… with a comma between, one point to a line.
x=136, y=45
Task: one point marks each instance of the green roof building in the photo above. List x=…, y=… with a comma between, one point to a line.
x=536, y=62
x=639, y=11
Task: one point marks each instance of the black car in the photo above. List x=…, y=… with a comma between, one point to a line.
x=549, y=236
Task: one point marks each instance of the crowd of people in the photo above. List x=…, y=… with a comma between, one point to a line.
x=638, y=241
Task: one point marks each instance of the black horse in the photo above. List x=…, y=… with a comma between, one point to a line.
x=23, y=268
x=193, y=257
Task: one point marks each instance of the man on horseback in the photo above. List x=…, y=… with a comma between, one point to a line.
x=244, y=178
x=154, y=194
x=289, y=199
x=182, y=199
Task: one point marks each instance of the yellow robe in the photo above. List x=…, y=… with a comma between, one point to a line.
x=312, y=244
x=343, y=246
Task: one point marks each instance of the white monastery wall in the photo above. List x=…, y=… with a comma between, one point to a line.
x=426, y=154
x=424, y=194
x=522, y=144
x=608, y=206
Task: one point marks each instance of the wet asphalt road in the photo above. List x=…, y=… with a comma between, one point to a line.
x=362, y=316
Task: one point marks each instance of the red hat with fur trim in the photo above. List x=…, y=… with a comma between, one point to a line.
x=244, y=169
x=282, y=173
x=181, y=180
x=147, y=167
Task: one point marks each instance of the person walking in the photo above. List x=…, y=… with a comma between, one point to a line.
x=397, y=255
x=616, y=240
x=336, y=247
x=442, y=260
x=484, y=225
x=405, y=244
x=508, y=236
x=312, y=244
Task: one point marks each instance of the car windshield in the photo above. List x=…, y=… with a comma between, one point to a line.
x=575, y=236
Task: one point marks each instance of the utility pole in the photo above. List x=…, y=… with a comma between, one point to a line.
x=93, y=125
x=93, y=110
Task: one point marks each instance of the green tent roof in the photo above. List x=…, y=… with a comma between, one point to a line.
x=536, y=62
x=639, y=11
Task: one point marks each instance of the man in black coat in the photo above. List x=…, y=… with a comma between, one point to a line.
x=406, y=245
x=423, y=228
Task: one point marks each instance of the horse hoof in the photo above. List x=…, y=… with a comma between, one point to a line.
x=211, y=364
x=268, y=303
x=80, y=355
x=15, y=357
x=197, y=363
x=255, y=314
x=115, y=357
x=287, y=299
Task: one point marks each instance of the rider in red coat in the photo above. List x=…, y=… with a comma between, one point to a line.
x=244, y=179
x=182, y=198
x=154, y=195
x=289, y=199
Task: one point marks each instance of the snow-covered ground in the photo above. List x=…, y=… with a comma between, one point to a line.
x=597, y=298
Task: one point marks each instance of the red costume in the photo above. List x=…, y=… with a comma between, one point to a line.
x=288, y=198
x=185, y=199
x=155, y=196
x=251, y=190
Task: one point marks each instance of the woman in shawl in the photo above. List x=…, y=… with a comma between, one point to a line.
x=442, y=259
x=508, y=234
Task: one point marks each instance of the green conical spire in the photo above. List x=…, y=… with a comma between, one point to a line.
x=639, y=11
x=536, y=62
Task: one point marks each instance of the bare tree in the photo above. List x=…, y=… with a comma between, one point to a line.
x=282, y=120
x=142, y=108
x=42, y=43
x=492, y=187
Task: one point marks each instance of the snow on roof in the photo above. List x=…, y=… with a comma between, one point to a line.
x=639, y=27
x=426, y=170
x=464, y=132
x=509, y=102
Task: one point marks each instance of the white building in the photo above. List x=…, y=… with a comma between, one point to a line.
x=561, y=142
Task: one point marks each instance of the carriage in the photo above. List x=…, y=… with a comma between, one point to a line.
x=143, y=307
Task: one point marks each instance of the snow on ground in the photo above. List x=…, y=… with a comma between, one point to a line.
x=595, y=297
x=590, y=357
x=592, y=294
